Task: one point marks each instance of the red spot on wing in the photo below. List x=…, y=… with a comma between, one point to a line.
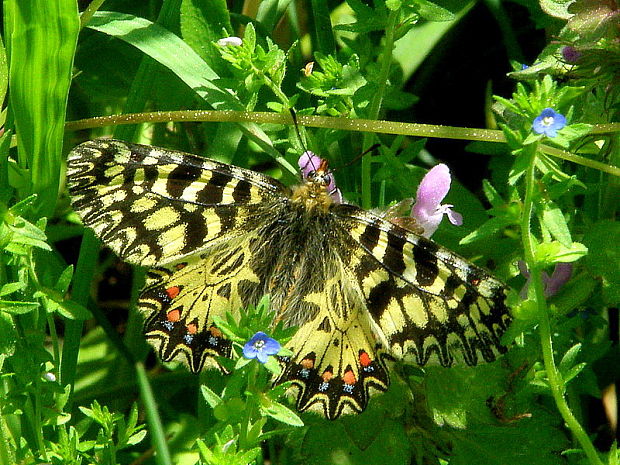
x=180, y=266
x=349, y=377
x=192, y=328
x=173, y=292
x=365, y=359
x=327, y=376
x=215, y=332
x=174, y=315
x=307, y=363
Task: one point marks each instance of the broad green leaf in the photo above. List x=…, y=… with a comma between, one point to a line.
x=202, y=23
x=41, y=38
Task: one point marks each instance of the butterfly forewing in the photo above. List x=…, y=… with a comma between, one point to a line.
x=361, y=289
x=153, y=206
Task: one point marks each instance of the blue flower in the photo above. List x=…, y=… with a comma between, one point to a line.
x=428, y=210
x=261, y=346
x=549, y=122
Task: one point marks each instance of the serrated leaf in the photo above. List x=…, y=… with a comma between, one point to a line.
x=553, y=219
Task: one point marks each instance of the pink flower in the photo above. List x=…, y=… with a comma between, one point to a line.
x=428, y=210
x=312, y=166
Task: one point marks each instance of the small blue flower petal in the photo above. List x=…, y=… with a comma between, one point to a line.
x=548, y=122
x=260, y=346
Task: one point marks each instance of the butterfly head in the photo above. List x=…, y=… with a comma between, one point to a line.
x=318, y=180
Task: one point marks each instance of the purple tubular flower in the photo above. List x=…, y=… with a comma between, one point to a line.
x=551, y=284
x=548, y=122
x=260, y=346
x=311, y=165
x=428, y=210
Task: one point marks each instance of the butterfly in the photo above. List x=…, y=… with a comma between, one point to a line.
x=361, y=289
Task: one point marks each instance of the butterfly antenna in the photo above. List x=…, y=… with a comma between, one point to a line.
x=301, y=141
x=370, y=149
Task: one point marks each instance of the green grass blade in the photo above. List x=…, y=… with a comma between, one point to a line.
x=41, y=38
x=156, y=428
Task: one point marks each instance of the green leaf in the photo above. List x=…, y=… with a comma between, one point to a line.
x=170, y=51
x=39, y=81
x=9, y=335
x=569, y=358
x=73, y=311
x=203, y=23
x=557, y=8
x=603, y=260
x=283, y=414
x=210, y=397
x=17, y=308
x=137, y=437
x=433, y=12
x=62, y=285
x=490, y=227
x=552, y=252
x=553, y=219
x=9, y=288
x=574, y=371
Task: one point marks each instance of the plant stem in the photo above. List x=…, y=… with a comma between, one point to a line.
x=375, y=104
x=556, y=383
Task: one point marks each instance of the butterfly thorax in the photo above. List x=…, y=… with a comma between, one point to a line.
x=313, y=195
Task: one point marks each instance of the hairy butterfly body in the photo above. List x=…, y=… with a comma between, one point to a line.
x=216, y=238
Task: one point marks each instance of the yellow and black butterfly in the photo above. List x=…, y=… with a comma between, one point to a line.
x=361, y=289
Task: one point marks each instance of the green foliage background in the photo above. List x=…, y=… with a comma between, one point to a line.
x=78, y=383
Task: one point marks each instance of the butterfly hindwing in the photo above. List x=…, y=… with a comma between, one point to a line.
x=181, y=300
x=337, y=362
